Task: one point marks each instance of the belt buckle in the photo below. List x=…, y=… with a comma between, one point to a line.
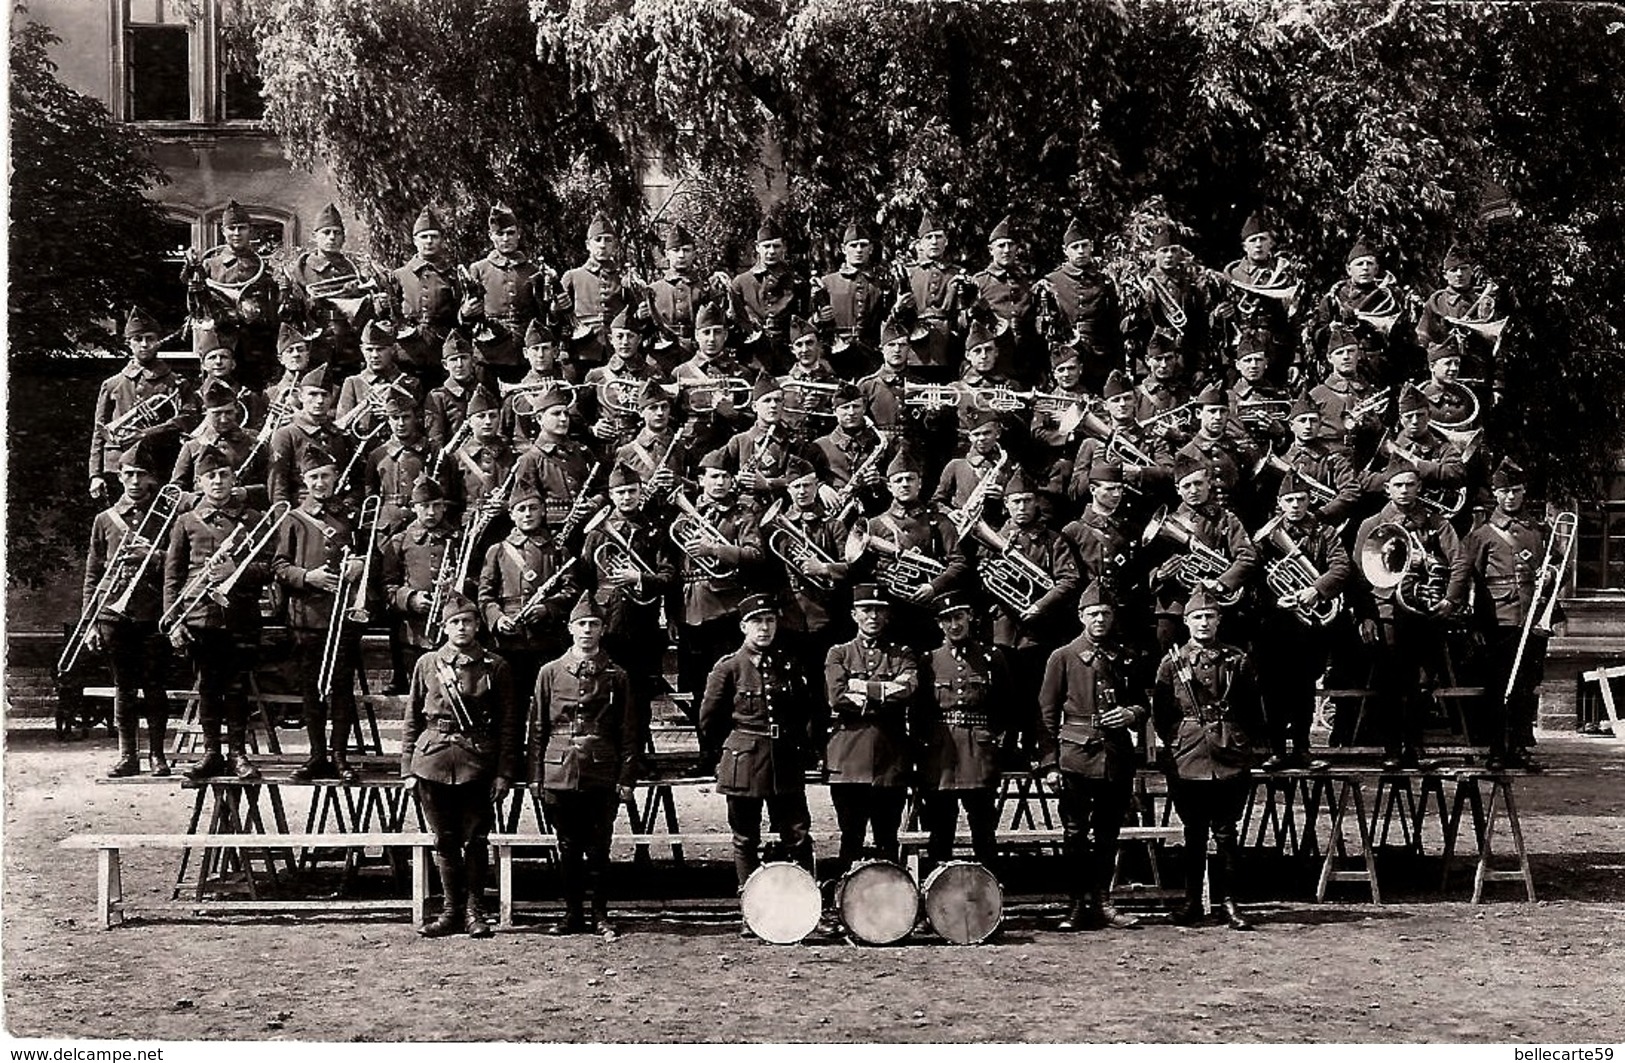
x=773, y=731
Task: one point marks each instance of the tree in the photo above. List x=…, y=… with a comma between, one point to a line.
x=1336, y=118
x=86, y=242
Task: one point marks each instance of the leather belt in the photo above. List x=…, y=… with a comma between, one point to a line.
x=966, y=719
x=1207, y=716
x=770, y=731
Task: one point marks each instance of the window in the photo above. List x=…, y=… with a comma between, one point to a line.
x=240, y=96
x=183, y=62
x=157, y=62
x=273, y=229
x=1600, y=551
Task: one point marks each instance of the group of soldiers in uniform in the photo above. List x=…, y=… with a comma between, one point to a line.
x=905, y=528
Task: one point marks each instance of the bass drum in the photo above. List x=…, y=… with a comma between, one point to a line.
x=964, y=902
x=781, y=903
x=879, y=902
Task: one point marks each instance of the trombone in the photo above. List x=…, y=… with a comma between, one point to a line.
x=124, y=572
x=237, y=549
x=349, y=598
x=1543, y=603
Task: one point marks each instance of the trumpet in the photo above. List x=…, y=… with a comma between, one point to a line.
x=148, y=413
x=528, y=392
x=1293, y=573
x=1543, y=603
x=1199, y=563
x=905, y=569
x=1177, y=419
x=445, y=578
x=533, y=605
x=690, y=530
x=793, y=546
x=737, y=389
x=344, y=285
x=125, y=570
x=617, y=552
x=238, y=549
x=1000, y=398
x=1395, y=557
x=1117, y=447
x=966, y=516
x=1262, y=414
x=1009, y=575
x=933, y=396
x=350, y=420
x=1374, y=404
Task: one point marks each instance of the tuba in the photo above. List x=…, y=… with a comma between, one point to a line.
x=125, y=570
x=691, y=529
x=616, y=551
x=1198, y=563
x=793, y=546
x=1395, y=558
x=1009, y=575
x=1292, y=573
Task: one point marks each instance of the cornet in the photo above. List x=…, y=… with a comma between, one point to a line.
x=148, y=413
x=1009, y=575
x=792, y=546
x=933, y=396
x=735, y=388
x=1178, y=419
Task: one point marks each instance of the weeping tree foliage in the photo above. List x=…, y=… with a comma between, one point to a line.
x=1334, y=117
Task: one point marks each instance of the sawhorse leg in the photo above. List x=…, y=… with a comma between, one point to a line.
x=1501, y=795
x=1347, y=792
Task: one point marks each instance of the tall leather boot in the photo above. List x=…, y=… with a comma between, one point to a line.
x=1109, y=915
x=212, y=763
x=158, y=737
x=1195, y=866
x=341, y=753
x=316, y=766
x=128, y=722
x=474, y=864
x=600, y=906
x=1080, y=915
x=237, y=741
x=1222, y=867
x=450, y=919
x=570, y=884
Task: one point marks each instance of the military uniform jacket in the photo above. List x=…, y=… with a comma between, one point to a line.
x=622, y=615
x=1439, y=541
x=712, y=425
x=509, y=302
x=434, y=745
x=122, y=392
x=288, y=446
x=962, y=475
x=1324, y=549
x=647, y=452
x=804, y=607
x=924, y=529
x=1220, y=529
x=193, y=539
x=964, y=705
x=408, y=563
x=592, y=294
x=1318, y=460
x=1448, y=406
x=1089, y=307
x=762, y=448
x=309, y=268
x=107, y=533
x=583, y=725
x=837, y=457
x=514, y=570
x=613, y=389
x=741, y=549
x=1009, y=295
x=1046, y=428
x=1081, y=680
x=1206, y=709
x=314, y=536
x=1052, y=553
x=763, y=297
x=236, y=446
x=358, y=386
x=1337, y=396
x=392, y=469
x=1261, y=431
x=1262, y=315
x=1105, y=551
x=676, y=297
x=1228, y=460
x=425, y=292
x=477, y=468
x=758, y=711
x=870, y=743
x=1432, y=327
x=558, y=469
x=1148, y=479
x=808, y=392
x=516, y=421
x=444, y=410
x=938, y=308
x=859, y=303
x=884, y=398
x=1155, y=396
x=1502, y=559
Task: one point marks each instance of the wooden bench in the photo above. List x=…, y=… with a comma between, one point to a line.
x=1602, y=677
x=110, y=906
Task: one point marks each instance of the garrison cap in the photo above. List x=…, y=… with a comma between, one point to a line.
x=218, y=395
x=320, y=377
x=140, y=321
x=1457, y=256
x=797, y=468
x=1106, y=473
x=716, y=460
x=1062, y=353
x=1019, y=484
x=536, y=334
x=904, y=462
x=1096, y=594
x=1253, y=226
x=456, y=603
x=1117, y=383
x=234, y=214
x=139, y=456
x=1213, y=395
x=981, y=417
x=1250, y=343
x=1074, y=233
x=769, y=230
x=426, y=490
x=1444, y=349
x=1291, y=484
x=1303, y=406
x=288, y=336
x=208, y=460
x=1188, y=464
x=623, y=321
x=846, y=392
x=377, y=334
x=427, y=222
x=653, y=392
x=501, y=216
x=677, y=236
x=328, y=219
x=482, y=401
x=456, y=343
x=1339, y=337
x=524, y=491
x=892, y=332
x=978, y=336
x=586, y=608
x=316, y=458
x=1397, y=468
x=710, y=315
x=1001, y=231
x=1164, y=236
x=1411, y=399
x=1362, y=249
x=1200, y=601
x=623, y=475
x=929, y=225
x=858, y=229
x=766, y=386
x=1508, y=474
x=800, y=327
x=1161, y=342
x=550, y=398
x=206, y=341
x=600, y=226
x=399, y=400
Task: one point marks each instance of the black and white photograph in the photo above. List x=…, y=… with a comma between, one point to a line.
x=814, y=522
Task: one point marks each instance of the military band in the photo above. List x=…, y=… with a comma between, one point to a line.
x=954, y=519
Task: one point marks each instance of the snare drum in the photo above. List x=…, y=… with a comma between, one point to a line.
x=781, y=903
x=964, y=902
x=879, y=902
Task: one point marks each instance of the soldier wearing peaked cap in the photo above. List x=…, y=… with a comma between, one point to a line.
x=756, y=715
x=462, y=748
x=311, y=428
x=965, y=705
x=763, y=299
x=1091, y=701
x=858, y=301
x=674, y=300
x=1079, y=308
x=1501, y=561
x=422, y=301
x=584, y=733
x=505, y=298
x=1207, y=712
x=589, y=298
x=318, y=555
x=1005, y=305
x=136, y=650
x=332, y=319
x=143, y=379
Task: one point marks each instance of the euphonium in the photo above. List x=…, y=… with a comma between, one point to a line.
x=1199, y=562
x=1293, y=573
x=1395, y=557
x=150, y=411
x=904, y=569
x=617, y=552
x=1008, y=574
x=792, y=546
x=125, y=570
x=691, y=529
